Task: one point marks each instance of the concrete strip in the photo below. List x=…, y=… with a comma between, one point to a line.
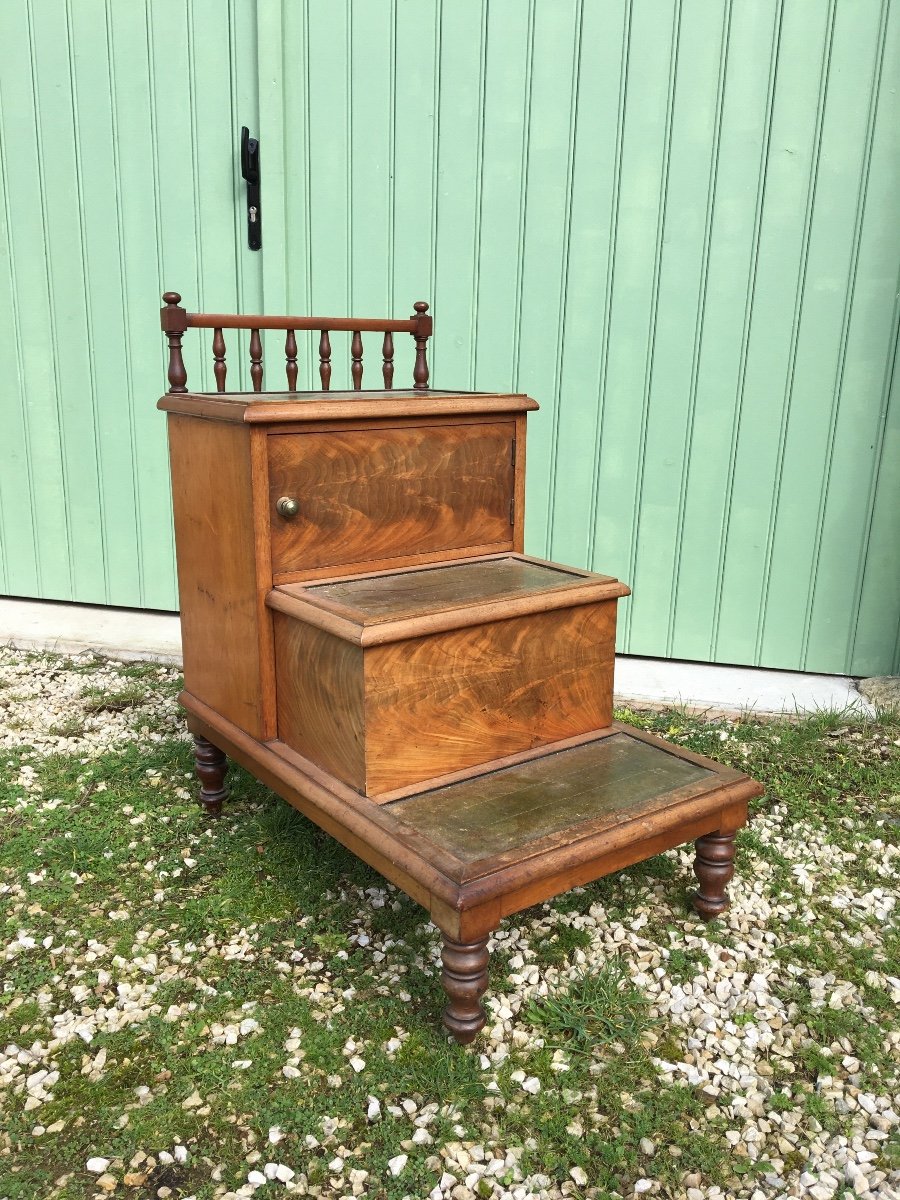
x=123, y=633
x=733, y=689
x=133, y=634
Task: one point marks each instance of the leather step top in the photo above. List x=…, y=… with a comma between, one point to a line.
x=383, y=606
x=618, y=777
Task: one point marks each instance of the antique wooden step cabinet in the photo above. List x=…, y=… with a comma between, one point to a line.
x=363, y=631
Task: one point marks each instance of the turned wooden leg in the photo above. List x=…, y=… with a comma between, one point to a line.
x=464, y=978
x=210, y=765
x=714, y=867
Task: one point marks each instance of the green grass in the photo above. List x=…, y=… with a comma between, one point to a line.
x=262, y=916
x=597, y=1009
x=98, y=699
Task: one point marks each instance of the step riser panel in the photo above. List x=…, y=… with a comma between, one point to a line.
x=390, y=716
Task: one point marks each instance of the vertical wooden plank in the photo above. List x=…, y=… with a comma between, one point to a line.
x=69, y=326
x=813, y=386
x=641, y=204
x=460, y=148
x=138, y=211
x=246, y=109
x=806, y=41
x=20, y=559
x=676, y=332
x=370, y=42
x=329, y=166
x=878, y=621
x=857, y=550
x=752, y=56
x=271, y=131
x=595, y=185
x=545, y=245
x=415, y=68
x=290, y=60
x=105, y=300
x=509, y=47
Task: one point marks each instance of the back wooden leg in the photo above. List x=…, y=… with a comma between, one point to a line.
x=714, y=867
x=210, y=765
x=465, y=979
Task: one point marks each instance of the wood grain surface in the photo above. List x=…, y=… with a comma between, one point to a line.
x=444, y=702
x=321, y=700
x=379, y=493
x=217, y=581
x=273, y=408
x=432, y=705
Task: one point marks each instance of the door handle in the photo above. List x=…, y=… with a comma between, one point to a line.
x=250, y=171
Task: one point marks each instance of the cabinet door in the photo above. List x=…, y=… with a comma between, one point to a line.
x=403, y=493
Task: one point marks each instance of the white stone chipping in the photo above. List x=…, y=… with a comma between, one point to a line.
x=727, y=1028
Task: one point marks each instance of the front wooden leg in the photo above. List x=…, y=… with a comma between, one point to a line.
x=714, y=867
x=465, y=979
x=210, y=765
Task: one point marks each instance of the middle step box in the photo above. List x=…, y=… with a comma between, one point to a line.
x=399, y=677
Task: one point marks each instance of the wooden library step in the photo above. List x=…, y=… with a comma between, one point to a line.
x=390, y=679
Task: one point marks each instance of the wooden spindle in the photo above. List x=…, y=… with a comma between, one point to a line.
x=387, y=353
x=174, y=322
x=325, y=360
x=219, y=366
x=256, y=369
x=356, y=353
x=290, y=354
x=421, y=335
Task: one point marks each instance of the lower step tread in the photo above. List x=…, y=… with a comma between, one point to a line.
x=612, y=779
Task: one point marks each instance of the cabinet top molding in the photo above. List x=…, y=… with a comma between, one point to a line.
x=277, y=407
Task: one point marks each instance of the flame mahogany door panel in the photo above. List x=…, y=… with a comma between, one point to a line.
x=367, y=494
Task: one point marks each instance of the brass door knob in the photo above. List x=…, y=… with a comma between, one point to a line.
x=287, y=507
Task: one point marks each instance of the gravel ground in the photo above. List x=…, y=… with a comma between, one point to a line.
x=196, y=1010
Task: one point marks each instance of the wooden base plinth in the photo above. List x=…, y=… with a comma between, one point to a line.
x=465, y=980
x=478, y=850
x=210, y=765
x=714, y=867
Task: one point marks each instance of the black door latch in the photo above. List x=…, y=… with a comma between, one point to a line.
x=250, y=171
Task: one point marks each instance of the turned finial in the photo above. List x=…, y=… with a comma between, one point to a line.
x=421, y=333
x=174, y=321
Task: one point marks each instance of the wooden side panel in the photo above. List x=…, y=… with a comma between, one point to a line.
x=374, y=494
x=442, y=703
x=217, y=581
x=319, y=683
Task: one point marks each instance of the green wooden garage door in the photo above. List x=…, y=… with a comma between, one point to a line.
x=117, y=123
x=674, y=224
